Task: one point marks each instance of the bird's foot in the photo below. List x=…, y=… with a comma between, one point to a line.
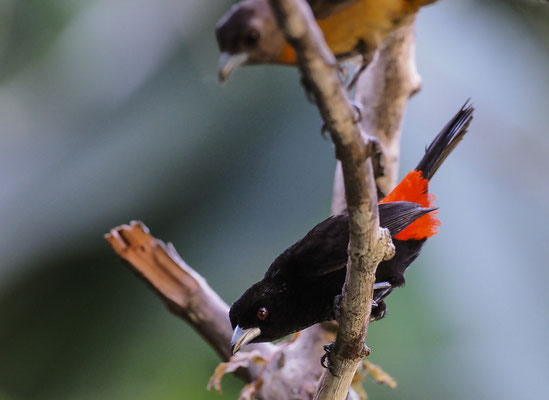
x=343, y=73
x=337, y=306
x=307, y=85
x=375, y=148
x=356, y=119
x=382, y=285
x=352, y=84
x=378, y=311
x=325, y=359
x=324, y=130
x=358, y=111
x=383, y=288
x=366, y=59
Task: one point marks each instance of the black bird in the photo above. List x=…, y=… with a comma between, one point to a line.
x=301, y=286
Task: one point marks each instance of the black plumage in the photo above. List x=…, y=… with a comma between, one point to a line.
x=301, y=285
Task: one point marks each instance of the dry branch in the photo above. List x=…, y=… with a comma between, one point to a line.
x=368, y=243
x=184, y=291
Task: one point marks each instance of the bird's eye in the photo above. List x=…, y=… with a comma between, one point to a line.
x=262, y=313
x=252, y=37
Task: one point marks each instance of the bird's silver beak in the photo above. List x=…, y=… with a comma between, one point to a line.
x=229, y=62
x=242, y=337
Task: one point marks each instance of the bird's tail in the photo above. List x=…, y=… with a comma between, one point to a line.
x=445, y=142
x=415, y=186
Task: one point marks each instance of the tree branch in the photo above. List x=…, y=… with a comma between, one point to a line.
x=184, y=291
x=368, y=243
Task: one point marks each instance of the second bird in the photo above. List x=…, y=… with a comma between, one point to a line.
x=249, y=33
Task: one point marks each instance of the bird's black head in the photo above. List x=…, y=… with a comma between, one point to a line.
x=276, y=307
x=260, y=314
x=248, y=34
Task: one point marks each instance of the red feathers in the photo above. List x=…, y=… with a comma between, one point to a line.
x=414, y=188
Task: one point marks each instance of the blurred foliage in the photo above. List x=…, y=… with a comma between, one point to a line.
x=110, y=111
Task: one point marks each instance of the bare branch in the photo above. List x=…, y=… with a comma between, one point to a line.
x=184, y=292
x=368, y=244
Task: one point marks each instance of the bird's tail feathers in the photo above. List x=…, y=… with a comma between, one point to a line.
x=415, y=186
x=445, y=141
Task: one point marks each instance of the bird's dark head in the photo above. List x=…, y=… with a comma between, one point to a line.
x=249, y=34
x=260, y=314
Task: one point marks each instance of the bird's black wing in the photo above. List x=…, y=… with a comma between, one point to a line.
x=319, y=252
x=397, y=215
x=324, y=249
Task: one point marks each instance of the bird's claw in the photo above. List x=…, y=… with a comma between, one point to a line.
x=325, y=359
x=384, y=289
x=356, y=119
x=307, y=85
x=323, y=130
x=366, y=59
x=382, y=285
x=342, y=72
x=376, y=150
x=358, y=112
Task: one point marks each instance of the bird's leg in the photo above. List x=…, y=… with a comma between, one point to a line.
x=378, y=161
x=357, y=118
x=367, y=57
x=384, y=288
x=337, y=307
x=323, y=130
x=378, y=312
x=308, y=89
x=325, y=359
x=343, y=73
x=378, y=305
x=382, y=285
x=358, y=111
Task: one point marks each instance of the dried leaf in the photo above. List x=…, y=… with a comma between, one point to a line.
x=249, y=391
x=379, y=375
x=356, y=383
x=360, y=375
x=241, y=359
x=359, y=389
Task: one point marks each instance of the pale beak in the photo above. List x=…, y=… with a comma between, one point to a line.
x=229, y=62
x=242, y=337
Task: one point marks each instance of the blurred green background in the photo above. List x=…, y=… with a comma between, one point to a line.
x=110, y=111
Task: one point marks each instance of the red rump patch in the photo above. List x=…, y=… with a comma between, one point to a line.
x=414, y=187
